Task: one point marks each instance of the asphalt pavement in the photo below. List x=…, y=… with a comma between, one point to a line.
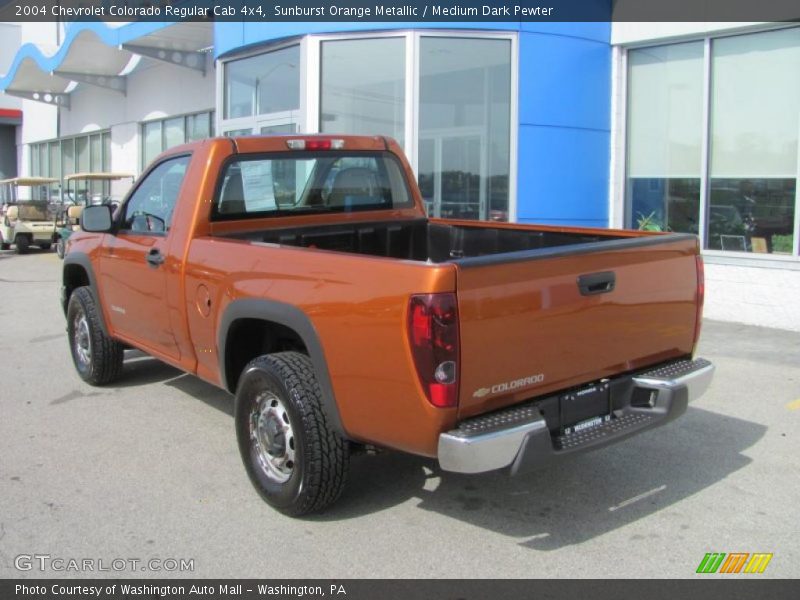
x=148, y=469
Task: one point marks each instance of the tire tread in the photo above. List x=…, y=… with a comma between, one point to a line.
x=107, y=353
x=328, y=459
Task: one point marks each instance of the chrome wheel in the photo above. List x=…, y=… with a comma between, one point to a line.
x=83, y=340
x=272, y=437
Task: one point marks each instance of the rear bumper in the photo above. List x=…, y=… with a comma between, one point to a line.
x=519, y=437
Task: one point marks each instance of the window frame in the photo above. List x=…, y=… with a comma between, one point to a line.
x=215, y=216
x=120, y=214
x=311, y=77
x=45, y=170
x=619, y=202
x=161, y=121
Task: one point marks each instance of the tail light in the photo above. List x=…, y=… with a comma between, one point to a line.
x=434, y=339
x=315, y=144
x=701, y=297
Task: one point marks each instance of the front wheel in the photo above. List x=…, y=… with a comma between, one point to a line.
x=295, y=460
x=60, y=248
x=22, y=243
x=97, y=357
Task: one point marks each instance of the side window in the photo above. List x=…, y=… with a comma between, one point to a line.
x=150, y=208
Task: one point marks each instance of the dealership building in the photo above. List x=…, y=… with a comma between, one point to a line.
x=689, y=127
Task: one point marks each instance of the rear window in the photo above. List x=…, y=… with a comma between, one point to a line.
x=307, y=183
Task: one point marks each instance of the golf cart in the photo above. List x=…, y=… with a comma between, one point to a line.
x=25, y=223
x=78, y=195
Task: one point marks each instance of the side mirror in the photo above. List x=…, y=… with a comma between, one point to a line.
x=97, y=219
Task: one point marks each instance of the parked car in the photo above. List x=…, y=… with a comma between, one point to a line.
x=341, y=317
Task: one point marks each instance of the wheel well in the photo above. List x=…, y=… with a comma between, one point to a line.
x=75, y=276
x=250, y=338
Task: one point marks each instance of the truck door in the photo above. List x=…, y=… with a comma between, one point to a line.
x=135, y=260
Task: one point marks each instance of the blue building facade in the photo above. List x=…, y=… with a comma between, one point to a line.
x=502, y=121
x=561, y=114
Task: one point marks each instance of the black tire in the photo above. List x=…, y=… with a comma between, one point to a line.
x=23, y=244
x=103, y=364
x=45, y=246
x=5, y=246
x=60, y=248
x=320, y=458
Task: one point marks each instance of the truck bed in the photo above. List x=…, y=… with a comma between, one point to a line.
x=427, y=240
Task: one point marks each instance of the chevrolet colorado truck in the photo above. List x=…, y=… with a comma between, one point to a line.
x=302, y=275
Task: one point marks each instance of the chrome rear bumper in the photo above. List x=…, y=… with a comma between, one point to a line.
x=519, y=437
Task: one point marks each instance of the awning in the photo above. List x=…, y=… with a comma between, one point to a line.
x=96, y=54
x=10, y=116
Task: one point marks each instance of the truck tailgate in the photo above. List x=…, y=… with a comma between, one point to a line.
x=527, y=327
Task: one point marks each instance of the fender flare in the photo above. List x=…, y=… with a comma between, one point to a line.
x=295, y=319
x=82, y=260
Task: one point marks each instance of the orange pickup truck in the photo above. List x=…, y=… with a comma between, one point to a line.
x=301, y=274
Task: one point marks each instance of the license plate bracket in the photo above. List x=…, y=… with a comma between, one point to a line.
x=581, y=407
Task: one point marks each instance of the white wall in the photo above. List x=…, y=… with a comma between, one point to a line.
x=635, y=33
x=753, y=295
x=154, y=90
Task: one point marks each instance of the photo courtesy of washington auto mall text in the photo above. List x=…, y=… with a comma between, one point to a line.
x=397, y=299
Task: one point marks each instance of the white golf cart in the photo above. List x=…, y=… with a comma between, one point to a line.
x=79, y=195
x=25, y=223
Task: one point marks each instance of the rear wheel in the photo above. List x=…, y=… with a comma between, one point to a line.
x=97, y=357
x=295, y=460
x=23, y=243
x=60, y=248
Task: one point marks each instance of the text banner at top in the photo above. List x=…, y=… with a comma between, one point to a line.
x=400, y=11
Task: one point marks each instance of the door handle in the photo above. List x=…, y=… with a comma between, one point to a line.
x=597, y=283
x=155, y=258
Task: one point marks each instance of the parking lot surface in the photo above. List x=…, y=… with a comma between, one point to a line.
x=149, y=469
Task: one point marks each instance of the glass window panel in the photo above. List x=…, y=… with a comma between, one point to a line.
x=151, y=207
x=755, y=99
x=81, y=154
x=278, y=129
x=263, y=84
x=96, y=152
x=54, y=156
x=198, y=127
x=107, y=152
x=238, y=132
x=44, y=163
x=96, y=157
x=464, y=126
x=665, y=111
x=363, y=87
x=665, y=124
x=35, y=168
x=755, y=118
x=68, y=156
x=310, y=182
x=174, y=132
x=151, y=146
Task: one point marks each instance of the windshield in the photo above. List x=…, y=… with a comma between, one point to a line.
x=310, y=182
